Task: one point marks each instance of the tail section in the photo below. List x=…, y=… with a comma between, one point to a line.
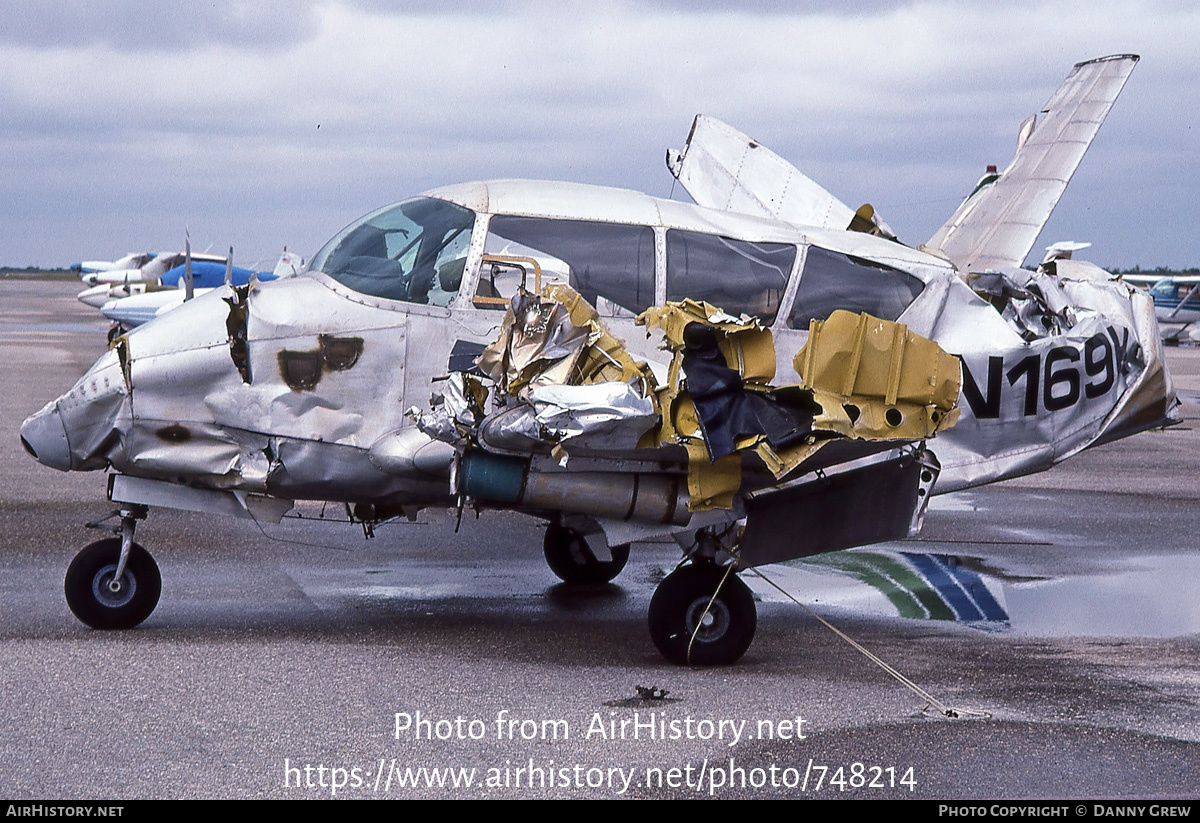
x=289, y=263
x=999, y=222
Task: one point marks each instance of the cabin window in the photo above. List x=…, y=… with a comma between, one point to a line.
x=412, y=251
x=610, y=264
x=1173, y=292
x=737, y=276
x=832, y=281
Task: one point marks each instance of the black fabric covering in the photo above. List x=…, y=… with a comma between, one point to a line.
x=463, y=357
x=727, y=410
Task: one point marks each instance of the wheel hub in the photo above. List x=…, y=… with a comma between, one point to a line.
x=110, y=591
x=713, y=621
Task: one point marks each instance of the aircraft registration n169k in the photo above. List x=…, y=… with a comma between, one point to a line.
x=765, y=375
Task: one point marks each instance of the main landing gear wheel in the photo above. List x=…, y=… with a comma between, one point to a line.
x=100, y=602
x=570, y=557
x=681, y=604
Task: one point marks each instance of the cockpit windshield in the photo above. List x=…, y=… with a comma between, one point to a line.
x=413, y=251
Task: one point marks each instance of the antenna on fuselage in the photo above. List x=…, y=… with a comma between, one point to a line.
x=189, y=289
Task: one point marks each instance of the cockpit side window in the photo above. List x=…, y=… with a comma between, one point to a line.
x=413, y=251
x=610, y=264
x=832, y=281
x=1173, y=290
x=736, y=275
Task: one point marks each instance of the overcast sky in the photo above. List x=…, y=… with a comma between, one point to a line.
x=263, y=124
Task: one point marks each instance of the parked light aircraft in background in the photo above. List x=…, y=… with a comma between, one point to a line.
x=138, y=268
x=208, y=272
x=131, y=303
x=130, y=306
x=1176, y=304
x=131, y=261
x=766, y=375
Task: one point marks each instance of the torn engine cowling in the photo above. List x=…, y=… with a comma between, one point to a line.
x=559, y=418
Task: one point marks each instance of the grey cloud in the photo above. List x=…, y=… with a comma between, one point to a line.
x=167, y=26
x=126, y=149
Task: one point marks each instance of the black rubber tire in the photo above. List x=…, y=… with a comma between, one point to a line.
x=679, y=603
x=86, y=585
x=569, y=556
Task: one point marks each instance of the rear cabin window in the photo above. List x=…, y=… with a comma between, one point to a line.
x=610, y=264
x=737, y=276
x=832, y=281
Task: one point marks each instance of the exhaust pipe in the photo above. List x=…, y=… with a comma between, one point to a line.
x=645, y=498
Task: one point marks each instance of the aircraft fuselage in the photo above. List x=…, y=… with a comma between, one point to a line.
x=285, y=388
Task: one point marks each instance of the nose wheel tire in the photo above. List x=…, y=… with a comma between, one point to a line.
x=680, y=610
x=569, y=556
x=98, y=600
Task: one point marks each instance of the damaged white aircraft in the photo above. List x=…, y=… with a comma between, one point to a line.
x=765, y=375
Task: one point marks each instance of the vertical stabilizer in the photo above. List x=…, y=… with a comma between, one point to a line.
x=998, y=224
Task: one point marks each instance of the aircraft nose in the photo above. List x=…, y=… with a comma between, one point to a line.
x=45, y=437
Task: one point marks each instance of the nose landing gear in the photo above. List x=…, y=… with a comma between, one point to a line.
x=114, y=583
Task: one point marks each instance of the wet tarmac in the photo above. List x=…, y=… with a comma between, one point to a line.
x=304, y=661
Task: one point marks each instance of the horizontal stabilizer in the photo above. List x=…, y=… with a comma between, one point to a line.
x=998, y=224
x=721, y=168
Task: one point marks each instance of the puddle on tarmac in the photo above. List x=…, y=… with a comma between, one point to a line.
x=1147, y=596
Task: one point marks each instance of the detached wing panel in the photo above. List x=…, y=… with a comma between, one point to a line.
x=998, y=225
x=721, y=168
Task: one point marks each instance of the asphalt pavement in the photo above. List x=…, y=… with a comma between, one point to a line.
x=443, y=659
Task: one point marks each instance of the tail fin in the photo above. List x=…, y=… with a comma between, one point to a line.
x=289, y=263
x=999, y=222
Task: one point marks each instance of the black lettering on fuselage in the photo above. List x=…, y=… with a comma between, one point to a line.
x=1067, y=376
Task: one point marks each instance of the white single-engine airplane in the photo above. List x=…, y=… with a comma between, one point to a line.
x=138, y=268
x=625, y=367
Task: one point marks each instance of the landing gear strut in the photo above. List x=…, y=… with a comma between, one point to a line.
x=570, y=557
x=114, y=583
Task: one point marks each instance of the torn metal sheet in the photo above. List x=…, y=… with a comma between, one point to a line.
x=456, y=410
x=718, y=402
x=555, y=357
x=1044, y=379
x=601, y=415
x=557, y=338
x=890, y=383
x=862, y=377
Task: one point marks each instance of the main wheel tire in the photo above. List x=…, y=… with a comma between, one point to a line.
x=681, y=603
x=569, y=556
x=90, y=596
